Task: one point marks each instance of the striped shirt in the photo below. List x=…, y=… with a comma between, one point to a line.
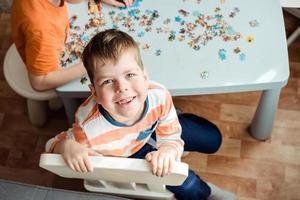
x=96, y=129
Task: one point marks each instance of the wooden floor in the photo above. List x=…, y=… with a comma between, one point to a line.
x=268, y=170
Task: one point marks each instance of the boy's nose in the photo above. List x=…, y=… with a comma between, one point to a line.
x=121, y=87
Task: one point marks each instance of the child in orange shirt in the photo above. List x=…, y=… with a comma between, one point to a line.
x=39, y=31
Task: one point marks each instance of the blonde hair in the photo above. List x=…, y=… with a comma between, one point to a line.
x=107, y=47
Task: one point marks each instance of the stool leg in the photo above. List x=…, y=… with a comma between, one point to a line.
x=55, y=104
x=37, y=112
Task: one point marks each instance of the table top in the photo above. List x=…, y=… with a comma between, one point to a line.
x=193, y=46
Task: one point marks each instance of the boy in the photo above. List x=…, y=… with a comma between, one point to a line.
x=39, y=30
x=125, y=111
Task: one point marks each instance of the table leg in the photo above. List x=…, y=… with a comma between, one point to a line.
x=263, y=120
x=71, y=105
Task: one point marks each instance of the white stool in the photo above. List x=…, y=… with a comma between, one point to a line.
x=16, y=75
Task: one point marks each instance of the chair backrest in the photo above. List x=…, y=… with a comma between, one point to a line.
x=121, y=176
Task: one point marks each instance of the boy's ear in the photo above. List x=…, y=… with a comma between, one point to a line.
x=92, y=88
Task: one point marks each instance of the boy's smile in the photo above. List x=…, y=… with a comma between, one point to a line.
x=126, y=101
x=121, y=88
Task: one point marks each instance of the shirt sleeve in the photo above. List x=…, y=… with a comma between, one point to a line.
x=50, y=145
x=77, y=133
x=168, y=131
x=42, y=51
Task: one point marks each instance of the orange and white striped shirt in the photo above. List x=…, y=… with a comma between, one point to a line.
x=95, y=129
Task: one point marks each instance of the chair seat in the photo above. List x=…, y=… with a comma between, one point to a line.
x=15, y=73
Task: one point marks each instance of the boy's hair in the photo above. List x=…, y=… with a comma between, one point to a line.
x=107, y=47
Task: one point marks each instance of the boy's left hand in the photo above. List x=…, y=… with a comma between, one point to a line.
x=162, y=160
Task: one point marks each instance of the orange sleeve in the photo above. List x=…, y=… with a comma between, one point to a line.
x=41, y=52
x=39, y=31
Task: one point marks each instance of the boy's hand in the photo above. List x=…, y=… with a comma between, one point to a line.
x=118, y=3
x=76, y=155
x=162, y=160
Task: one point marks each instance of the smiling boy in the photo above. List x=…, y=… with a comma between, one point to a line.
x=124, y=112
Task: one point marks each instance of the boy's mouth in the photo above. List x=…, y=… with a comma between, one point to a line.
x=125, y=101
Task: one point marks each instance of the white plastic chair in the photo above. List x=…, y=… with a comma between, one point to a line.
x=16, y=75
x=121, y=176
x=293, y=7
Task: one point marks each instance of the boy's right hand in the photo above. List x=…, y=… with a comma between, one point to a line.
x=76, y=155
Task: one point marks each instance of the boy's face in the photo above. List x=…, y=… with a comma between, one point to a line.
x=121, y=88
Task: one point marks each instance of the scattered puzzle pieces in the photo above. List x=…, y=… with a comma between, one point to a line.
x=193, y=28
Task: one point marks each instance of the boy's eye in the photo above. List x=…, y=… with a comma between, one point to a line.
x=129, y=75
x=108, y=81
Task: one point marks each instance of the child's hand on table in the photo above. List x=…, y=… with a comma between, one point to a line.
x=76, y=156
x=162, y=160
x=118, y=3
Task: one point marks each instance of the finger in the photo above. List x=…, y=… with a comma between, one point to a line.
x=88, y=164
x=93, y=152
x=82, y=166
x=99, y=153
x=154, y=163
x=148, y=157
x=76, y=166
x=171, y=164
x=127, y=2
x=70, y=164
x=160, y=165
x=166, y=165
x=118, y=3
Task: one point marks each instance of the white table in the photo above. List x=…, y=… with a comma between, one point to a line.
x=254, y=57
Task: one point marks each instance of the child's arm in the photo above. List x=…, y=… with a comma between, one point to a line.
x=162, y=160
x=56, y=78
x=42, y=60
x=169, y=142
x=73, y=143
x=76, y=155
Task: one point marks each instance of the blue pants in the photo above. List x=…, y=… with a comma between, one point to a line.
x=199, y=135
